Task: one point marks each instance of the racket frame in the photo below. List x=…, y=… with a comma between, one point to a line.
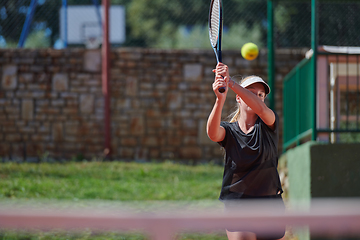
x=217, y=46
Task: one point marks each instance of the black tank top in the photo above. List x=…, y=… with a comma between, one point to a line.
x=250, y=161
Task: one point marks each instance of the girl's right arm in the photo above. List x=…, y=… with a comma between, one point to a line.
x=216, y=132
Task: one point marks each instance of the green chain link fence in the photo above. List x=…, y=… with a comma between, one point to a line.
x=183, y=23
x=332, y=114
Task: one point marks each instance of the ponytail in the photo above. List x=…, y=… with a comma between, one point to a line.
x=235, y=115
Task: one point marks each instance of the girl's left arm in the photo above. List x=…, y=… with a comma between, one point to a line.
x=255, y=103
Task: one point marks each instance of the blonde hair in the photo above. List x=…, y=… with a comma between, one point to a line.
x=234, y=116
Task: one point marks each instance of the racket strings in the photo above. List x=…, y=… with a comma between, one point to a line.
x=215, y=22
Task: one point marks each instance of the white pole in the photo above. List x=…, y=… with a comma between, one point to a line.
x=332, y=101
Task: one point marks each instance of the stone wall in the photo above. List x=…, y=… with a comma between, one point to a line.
x=51, y=102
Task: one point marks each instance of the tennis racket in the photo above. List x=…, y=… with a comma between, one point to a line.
x=215, y=29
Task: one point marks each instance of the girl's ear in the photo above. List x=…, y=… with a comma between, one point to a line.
x=237, y=98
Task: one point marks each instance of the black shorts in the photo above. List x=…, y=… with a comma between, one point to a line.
x=279, y=203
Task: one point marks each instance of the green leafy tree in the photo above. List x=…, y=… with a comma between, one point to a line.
x=45, y=20
x=13, y=14
x=183, y=23
x=152, y=20
x=11, y=19
x=38, y=39
x=165, y=23
x=197, y=37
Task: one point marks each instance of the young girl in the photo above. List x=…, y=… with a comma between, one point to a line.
x=250, y=141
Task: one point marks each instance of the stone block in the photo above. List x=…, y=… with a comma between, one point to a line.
x=123, y=103
x=203, y=138
x=26, y=130
x=150, y=141
x=141, y=153
x=25, y=78
x=60, y=82
x=174, y=141
x=174, y=100
x=154, y=123
x=183, y=114
x=40, y=138
x=5, y=149
x=68, y=96
x=183, y=86
x=131, y=86
x=12, y=109
x=129, y=142
x=126, y=153
x=42, y=103
x=87, y=103
x=37, y=94
x=37, y=68
x=27, y=109
x=57, y=132
x=193, y=72
x=93, y=82
x=137, y=126
x=154, y=153
x=10, y=129
x=71, y=128
x=44, y=128
x=190, y=140
x=72, y=103
x=92, y=61
x=72, y=139
x=122, y=130
x=34, y=149
x=146, y=86
x=58, y=102
x=54, y=52
x=13, y=137
x=173, y=123
x=190, y=123
x=190, y=153
x=79, y=89
x=82, y=76
x=70, y=110
x=9, y=77
x=168, y=153
x=47, y=110
x=151, y=113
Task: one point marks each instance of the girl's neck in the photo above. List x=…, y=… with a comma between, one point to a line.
x=248, y=118
x=247, y=121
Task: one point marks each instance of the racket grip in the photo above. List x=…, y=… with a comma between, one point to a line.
x=222, y=89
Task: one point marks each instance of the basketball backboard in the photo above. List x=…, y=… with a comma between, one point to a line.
x=83, y=23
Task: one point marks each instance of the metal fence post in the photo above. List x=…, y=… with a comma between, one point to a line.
x=106, y=77
x=28, y=20
x=314, y=66
x=65, y=22
x=271, y=54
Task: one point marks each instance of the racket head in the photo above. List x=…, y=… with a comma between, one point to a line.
x=215, y=23
x=215, y=29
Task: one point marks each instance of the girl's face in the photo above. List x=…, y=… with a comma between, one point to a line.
x=258, y=89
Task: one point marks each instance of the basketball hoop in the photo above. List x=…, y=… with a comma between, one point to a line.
x=92, y=42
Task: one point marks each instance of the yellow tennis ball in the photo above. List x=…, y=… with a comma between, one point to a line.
x=249, y=51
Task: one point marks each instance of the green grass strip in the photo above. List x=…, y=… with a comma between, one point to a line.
x=110, y=181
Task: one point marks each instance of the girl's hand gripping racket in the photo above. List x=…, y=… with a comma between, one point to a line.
x=215, y=29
